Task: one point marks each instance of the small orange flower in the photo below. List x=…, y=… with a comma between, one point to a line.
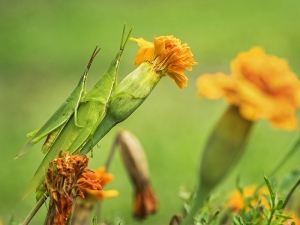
x=261, y=85
x=100, y=174
x=168, y=56
x=236, y=202
x=294, y=219
x=236, y=199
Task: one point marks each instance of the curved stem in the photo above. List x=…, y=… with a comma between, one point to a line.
x=293, y=150
x=290, y=194
x=107, y=164
x=35, y=209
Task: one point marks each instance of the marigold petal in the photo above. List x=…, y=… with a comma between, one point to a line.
x=103, y=178
x=142, y=43
x=159, y=44
x=168, y=56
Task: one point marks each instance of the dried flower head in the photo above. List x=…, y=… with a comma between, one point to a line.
x=65, y=176
x=168, y=56
x=261, y=85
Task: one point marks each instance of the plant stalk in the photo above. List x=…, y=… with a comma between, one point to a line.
x=35, y=209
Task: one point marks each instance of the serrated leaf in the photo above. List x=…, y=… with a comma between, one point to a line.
x=271, y=190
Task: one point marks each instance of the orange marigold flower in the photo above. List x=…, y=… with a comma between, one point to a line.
x=236, y=202
x=261, y=85
x=168, y=56
x=236, y=199
x=104, y=178
x=65, y=174
x=294, y=219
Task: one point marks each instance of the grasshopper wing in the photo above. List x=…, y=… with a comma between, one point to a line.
x=63, y=113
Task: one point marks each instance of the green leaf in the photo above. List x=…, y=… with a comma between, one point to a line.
x=238, y=184
x=285, y=217
x=271, y=190
x=279, y=205
x=239, y=220
x=95, y=222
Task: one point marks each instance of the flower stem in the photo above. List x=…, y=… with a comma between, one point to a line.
x=111, y=153
x=290, y=194
x=107, y=164
x=293, y=150
x=72, y=212
x=271, y=216
x=283, y=160
x=201, y=196
x=35, y=209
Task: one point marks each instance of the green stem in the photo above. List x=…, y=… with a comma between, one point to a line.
x=271, y=216
x=287, y=156
x=197, y=204
x=283, y=160
x=290, y=194
x=111, y=153
x=107, y=164
x=35, y=209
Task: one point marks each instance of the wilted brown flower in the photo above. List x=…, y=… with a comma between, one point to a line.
x=145, y=202
x=65, y=176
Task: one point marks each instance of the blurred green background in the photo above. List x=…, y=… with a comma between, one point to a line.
x=45, y=46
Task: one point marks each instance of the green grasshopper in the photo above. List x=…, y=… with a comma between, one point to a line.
x=62, y=115
x=91, y=111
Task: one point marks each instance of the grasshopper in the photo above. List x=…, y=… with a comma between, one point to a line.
x=91, y=111
x=62, y=115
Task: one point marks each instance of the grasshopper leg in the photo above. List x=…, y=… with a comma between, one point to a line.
x=126, y=93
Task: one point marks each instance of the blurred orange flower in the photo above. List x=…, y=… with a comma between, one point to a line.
x=168, y=56
x=100, y=174
x=236, y=202
x=236, y=199
x=261, y=85
x=294, y=219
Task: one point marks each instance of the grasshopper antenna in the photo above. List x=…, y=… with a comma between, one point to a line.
x=124, y=27
x=122, y=46
x=95, y=52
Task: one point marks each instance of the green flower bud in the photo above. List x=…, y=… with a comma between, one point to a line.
x=133, y=91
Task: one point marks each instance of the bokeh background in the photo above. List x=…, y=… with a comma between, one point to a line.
x=45, y=46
